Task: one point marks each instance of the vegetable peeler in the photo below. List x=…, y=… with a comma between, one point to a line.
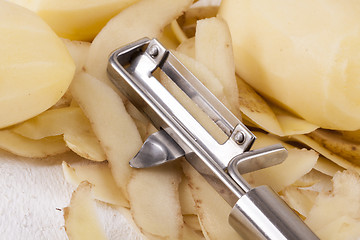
x=257, y=213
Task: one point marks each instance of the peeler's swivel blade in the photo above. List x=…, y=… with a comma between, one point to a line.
x=158, y=149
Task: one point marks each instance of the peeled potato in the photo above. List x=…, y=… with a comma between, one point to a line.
x=36, y=68
x=76, y=20
x=304, y=55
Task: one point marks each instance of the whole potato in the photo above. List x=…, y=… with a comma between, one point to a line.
x=303, y=54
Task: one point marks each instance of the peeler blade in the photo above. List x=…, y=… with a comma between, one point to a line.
x=158, y=149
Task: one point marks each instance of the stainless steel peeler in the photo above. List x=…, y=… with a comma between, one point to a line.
x=257, y=213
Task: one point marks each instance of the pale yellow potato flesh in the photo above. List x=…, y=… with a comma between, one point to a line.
x=286, y=51
x=76, y=20
x=81, y=220
x=31, y=148
x=99, y=176
x=110, y=122
x=35, y=66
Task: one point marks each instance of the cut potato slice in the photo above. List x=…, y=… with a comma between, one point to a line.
x=111, y=123
x=27, y=147
x=81, y=220
x=76, y=20
x=213, y=48
x=35, y=66
x=130, y=25
x=154, y=201
x=100, y=177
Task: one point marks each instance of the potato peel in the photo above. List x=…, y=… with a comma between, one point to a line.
x=99, y=176
x=154, y=200
x=81, y=221
x=297, y=164
x=326, y=153
x=27, y=147
x=211, y=208
x=340, y=207
x=136, y=25
x=111, y=123
x=213, y=48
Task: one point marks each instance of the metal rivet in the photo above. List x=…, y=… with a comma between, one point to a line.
x=239, y=137
x=153, y=51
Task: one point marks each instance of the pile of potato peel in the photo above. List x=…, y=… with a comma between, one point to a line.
x=319, y=180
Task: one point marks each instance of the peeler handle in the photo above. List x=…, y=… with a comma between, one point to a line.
x=262, y=214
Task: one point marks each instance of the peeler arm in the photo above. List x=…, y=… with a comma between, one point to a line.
x=262, y=214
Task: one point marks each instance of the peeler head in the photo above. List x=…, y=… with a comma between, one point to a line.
x=181, y=133
x=131, y=69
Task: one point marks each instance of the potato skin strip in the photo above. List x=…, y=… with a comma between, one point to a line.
x=325, y=152
x=69, y=122
x=99, y=175
x=27, y=147
x=213, y=48
x=130, y=25
x=335, y=214
x=154, y=201
x=211, y=208
x=81, y=220
x=112, y=125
